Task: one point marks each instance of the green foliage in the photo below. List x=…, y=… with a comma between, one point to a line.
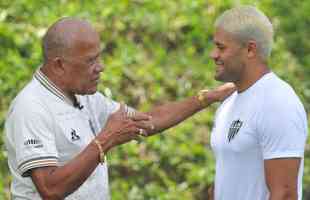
x=154, y=51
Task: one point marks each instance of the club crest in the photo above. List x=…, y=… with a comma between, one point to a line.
x=234, y=129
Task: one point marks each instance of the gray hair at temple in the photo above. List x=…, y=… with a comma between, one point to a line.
x=248, y=23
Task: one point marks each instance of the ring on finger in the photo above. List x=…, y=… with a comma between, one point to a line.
x=141, y=131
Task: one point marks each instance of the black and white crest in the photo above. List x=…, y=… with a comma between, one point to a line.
x=234, y=129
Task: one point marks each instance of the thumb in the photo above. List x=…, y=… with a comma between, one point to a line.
x=121, y=109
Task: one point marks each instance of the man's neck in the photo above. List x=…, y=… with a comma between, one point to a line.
x=251, y=75
x=59, y=84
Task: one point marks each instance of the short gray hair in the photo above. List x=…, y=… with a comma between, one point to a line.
x=59, y=38
x=54, y=42
x=248, y=23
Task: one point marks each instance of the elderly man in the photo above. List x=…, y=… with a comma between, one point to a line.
x=59, y=128
x=260, y=130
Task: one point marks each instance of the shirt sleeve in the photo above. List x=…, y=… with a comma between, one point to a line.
x=34, y=138
x=282, y=130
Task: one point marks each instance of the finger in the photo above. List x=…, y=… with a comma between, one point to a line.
x=122, y=107
x=146, y=125
x=121, y=110
x=229, y=87
x=225, y=90
x=138, y=116
x=142, y=132
x=128, y=136
x=138, y=134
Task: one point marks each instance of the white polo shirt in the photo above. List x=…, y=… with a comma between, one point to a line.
x=264, y=122
x=43, y=128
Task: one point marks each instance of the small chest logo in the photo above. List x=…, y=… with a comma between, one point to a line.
x=234, y=129
x=36, y=143
x=74, y=135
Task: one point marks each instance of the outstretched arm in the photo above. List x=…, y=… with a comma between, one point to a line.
x=170, y=114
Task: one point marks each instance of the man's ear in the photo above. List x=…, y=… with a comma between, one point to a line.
x=59, y=68
x=252, y=49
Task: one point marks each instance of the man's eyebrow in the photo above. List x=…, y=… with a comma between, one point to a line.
x=217, y=43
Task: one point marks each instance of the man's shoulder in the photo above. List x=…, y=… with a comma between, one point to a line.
x=279, y=98
x=277, y=91
x=29, y=98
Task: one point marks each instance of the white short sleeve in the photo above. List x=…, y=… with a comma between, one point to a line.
x=31, y=128
x=282, y=129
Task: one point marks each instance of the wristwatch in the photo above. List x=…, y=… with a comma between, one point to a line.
x=102, y=156
x=202, y=97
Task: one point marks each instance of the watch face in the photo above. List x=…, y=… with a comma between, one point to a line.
x=201, y=96
x=102, y=157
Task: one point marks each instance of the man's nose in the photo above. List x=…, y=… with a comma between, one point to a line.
x=99, y=67
x=214, y=53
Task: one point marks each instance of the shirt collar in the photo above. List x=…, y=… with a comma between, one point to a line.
x=50, y=86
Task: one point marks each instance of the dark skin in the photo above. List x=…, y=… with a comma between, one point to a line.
x=77, y=72
x=242, y=65
x=281, y=178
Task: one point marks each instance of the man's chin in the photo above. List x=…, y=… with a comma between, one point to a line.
x=220, y=78
x=88, y=92
x=92, y=91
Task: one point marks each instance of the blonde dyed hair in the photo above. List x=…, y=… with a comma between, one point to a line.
x=248, y=23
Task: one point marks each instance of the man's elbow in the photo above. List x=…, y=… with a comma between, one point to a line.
x=51, y=194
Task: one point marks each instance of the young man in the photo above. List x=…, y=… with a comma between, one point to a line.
x=59, y=127
x=260, y=131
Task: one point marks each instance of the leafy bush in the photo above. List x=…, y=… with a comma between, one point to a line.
x=154, y=51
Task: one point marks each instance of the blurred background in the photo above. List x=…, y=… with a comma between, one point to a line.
x=154, y=51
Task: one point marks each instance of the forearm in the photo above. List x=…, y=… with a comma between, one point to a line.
x=59, y=182
x=68, y=178
x=170, y=114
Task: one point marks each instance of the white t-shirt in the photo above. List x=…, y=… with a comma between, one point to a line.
x=264, y=122
x=43, y=128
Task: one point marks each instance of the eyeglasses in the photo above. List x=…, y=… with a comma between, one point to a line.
x=89, y=62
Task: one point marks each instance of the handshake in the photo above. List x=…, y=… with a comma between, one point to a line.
x=123, y=126
x=129, y=124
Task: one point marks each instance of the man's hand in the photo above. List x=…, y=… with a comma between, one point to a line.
x=149, y=126
x=220, y=93
x=121, y=128
x=223, y=91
